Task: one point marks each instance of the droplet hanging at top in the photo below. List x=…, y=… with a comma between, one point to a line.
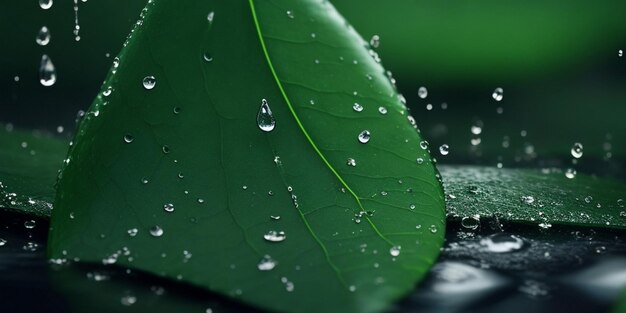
x=43, y=36
x=498, y=94
x=47, y=72
x=45, y=4
x=364, y=136
x=265, y=119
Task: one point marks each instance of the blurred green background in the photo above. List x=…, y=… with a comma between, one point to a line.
x=557, y=63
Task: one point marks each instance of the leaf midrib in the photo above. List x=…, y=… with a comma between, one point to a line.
x=308, y=137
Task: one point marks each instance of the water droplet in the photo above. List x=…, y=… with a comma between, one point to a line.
x=45, y=4
x=364, y=136
x=577, y=150
x=156, y=231
x=470, y=222
x=290, y=14
x=47, y=72
x=128, y=138
x=351, y=162
x=266, y=263
x=357, y=107
x=30, y=224
x=502, y=243
x=168, y=207
x=424, y=144
x=498, y=94
x=43, y=37
x=420, y=161
x=433, y=229
x=2, y=242
x=528, y=199
x=207, y=57
x=128, y=300
x=545, y=225
x=620, y=53
x=116, y=62
x=422, y=92
x=265, y=118
x=210, y=17
x=149, y=82
x=275, y=236
x=412, y=207
x=275, y=217
x=132, y=232
x=476, y=129
x=570, y=173
x=444, y=149
x=395, y=250
x=382, y=110
x=375, y=41
x=620, y=203
x=588, y=199
x=144, y=180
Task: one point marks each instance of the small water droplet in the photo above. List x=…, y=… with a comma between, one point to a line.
x=545, y=225
x=422, y=92
x=43, y=36
x=498, y=94
x=357, y=107
x=577, y=150
x=149, y=82
x=156, y=231
x=395, y=251
x=620, y=203
x=382, y=110
x=275, y=236
x=620, y=53
x=128, y=300
x=476, y=129
x=351, y=162
x=210, y=17
x=444, y=149
x=30, y=224
x=570, y=173
x=364, y=136
x=375, y=41
x=588, y=199
x=128, y=138
x=266, y=263
x=290, y=14
x=275, y=217
x=207, y=57
x=470, y=222
x=433, y=229
x=420, y=161
x=424, y=144
x=165, y=149
x=168, y=207
x=132, y=232
x=47, y=72
x=45, y=4
x=265, y=119
x=116, y=62
x=2, y=242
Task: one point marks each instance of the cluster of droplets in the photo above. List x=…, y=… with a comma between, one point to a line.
x=47, y=71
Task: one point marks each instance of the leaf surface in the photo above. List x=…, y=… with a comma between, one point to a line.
x=175, y=176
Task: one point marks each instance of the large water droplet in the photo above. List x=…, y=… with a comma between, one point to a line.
x=266, y=263
x=45, y=4
x=47, y=72
x=422, y=92
x=149, y=82
x=275, y=236
x=265, y=119
x=364, y=136
x=395, y=250
x=498, y=94
x=43, y=37
x=156, y=231
x=577, y=150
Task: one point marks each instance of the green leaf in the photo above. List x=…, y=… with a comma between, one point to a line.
x=29, y=164
x=357, y=237
x=545, y=197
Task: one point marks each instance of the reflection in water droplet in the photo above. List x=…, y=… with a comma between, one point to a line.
x=498, y=94
x=43, y=37
x=165, y=149
x=275, y=236
x=45, y=4
x=149, y=82
x=47, y=72
x=2, y=242
x=364, y=136
x=265, y=119
x=266, y=263
x=433, y=229
x=422, y=92
x=577, y=150
x=588, y=199
x=395, y=250
x=156, y=231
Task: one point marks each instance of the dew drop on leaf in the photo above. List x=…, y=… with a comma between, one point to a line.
x=382, y=110
x=424, y=144
x=47, y=72
x=570, y=173
x=43, y=36
x=498, y=94
x=395, y=250
x=351, y=162
x=375, y=41
x=577, y=150
x=433, y=229
x=128, y=138
x=357, y=107
x=364, y=136
x=149, y=82
x=207, y=57
x=168, y=207
x=156, y=231
x=266, y=263
x=420, y=161
x=132, y=232
x=275, y=236
x=265, y=119
x=210, y=17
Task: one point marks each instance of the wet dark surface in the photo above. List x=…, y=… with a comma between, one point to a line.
x=494, y=268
